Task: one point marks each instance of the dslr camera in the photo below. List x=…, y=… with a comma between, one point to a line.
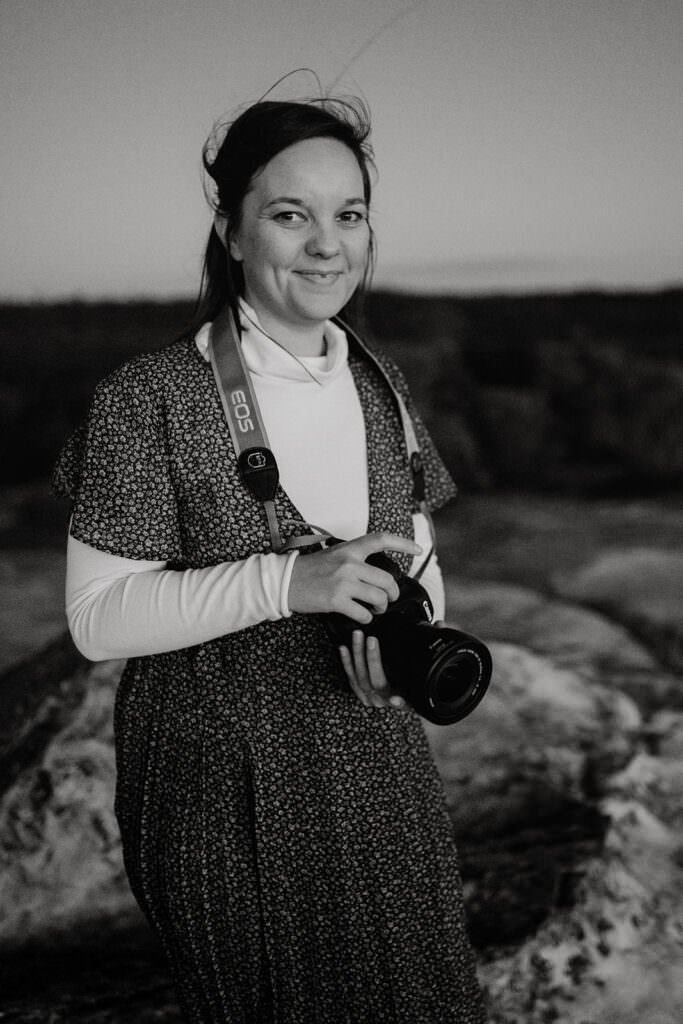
x=441, y=672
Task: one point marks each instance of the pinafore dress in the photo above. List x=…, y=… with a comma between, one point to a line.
x=289, y=846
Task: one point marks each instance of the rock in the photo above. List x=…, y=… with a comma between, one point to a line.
x=640, y=587
x=60, y=857
x=37, y=698
x=654, y=782
x=522, y=776
x=665, y=730
x=574, y=637
x=569, y=830
x=615, y=954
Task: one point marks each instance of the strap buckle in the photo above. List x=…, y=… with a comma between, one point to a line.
x=258, y=469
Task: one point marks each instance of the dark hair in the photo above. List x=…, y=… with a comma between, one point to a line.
x=233, y=154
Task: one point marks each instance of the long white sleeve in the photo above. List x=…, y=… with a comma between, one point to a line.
x=122, y=607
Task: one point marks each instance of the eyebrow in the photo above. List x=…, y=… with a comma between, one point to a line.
x=293, y=201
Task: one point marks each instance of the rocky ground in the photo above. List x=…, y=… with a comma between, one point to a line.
x=564, y=786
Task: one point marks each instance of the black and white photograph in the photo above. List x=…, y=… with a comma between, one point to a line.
x=341, y=512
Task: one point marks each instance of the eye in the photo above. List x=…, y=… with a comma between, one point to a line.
x=353, y=217
x=287, y=217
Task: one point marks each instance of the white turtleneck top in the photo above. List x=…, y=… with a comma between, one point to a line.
x=120, y=607
x=314, y=423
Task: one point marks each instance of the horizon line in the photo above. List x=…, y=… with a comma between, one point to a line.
x=503, y=291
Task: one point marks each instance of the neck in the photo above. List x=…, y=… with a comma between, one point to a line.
x=302, y=340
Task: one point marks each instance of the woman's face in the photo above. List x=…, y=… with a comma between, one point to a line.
x=304, y=236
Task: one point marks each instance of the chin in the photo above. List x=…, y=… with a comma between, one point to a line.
x=325, y=307
x=318, y=312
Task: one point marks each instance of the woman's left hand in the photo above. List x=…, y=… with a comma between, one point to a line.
x=364, y=671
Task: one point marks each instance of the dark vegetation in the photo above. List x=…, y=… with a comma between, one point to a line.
x=578, y=392
x=107, y=977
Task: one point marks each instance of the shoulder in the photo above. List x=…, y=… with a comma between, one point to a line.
x=153, y=368
x=130, y=403
x=384, y=360
x=151, y=376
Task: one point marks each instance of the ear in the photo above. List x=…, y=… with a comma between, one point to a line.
x=220, y=224
x=233, y=247
x=222, y=227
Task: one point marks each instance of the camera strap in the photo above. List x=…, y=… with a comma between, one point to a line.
x=412, y=447
x=255, y=459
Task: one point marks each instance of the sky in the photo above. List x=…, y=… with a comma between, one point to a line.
x=521, y=145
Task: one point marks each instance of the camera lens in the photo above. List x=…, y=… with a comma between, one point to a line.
x=441, y=672
x=456, y=678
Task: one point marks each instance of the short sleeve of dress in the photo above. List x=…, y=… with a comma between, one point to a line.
x=439, y=485
x=116, y=471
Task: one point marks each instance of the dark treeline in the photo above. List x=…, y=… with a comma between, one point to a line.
x=580, y=391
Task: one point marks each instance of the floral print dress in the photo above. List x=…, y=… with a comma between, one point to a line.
x=290, y=846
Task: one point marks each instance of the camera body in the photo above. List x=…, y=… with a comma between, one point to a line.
x=441, y=672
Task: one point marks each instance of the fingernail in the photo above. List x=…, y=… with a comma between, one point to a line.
x=372, y=643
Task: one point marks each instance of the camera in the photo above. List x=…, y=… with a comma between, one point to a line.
x=441, y=672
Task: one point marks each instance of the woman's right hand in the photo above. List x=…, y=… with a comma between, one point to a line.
x=338, y=579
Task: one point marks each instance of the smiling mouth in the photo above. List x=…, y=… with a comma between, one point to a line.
x=324, y=276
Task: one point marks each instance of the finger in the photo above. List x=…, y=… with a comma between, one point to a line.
x=360, y=666
x=365, y=672
x=369, y=669
x=373, y=542
x=378, y=677
x=376, y=674
x=380, y=579
x=353, y=610
x=347, y=664
x=374, y=597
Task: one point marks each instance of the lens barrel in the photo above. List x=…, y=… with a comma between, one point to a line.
x=441, y=672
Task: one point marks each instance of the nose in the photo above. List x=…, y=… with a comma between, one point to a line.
x=323, y=240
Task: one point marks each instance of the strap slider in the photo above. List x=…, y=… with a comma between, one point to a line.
x=259, y=471
x=417, y=469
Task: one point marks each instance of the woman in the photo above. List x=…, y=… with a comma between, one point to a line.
x=283, y=826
